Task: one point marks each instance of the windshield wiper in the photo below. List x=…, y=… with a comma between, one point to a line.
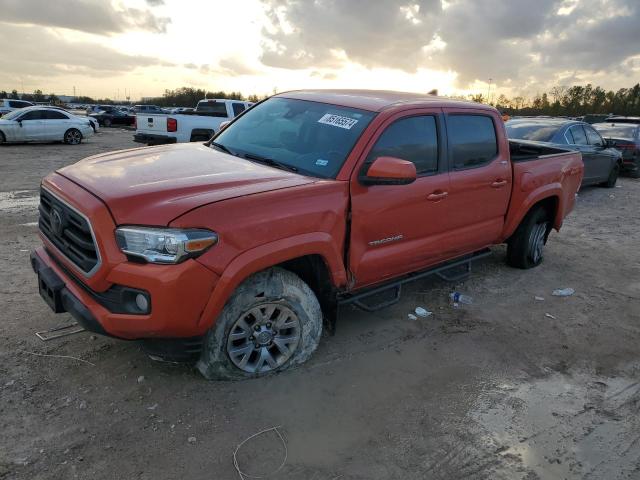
x=270, y=161
x=223, y=148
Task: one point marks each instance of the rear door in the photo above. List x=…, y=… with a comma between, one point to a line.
x=396, y=229
x=577, y=138
x=56, y=124
x=606, y=157
x=480, y=178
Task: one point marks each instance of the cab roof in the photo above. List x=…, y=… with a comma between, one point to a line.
x=378, y=100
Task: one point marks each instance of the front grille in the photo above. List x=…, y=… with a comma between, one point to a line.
x=69, y=231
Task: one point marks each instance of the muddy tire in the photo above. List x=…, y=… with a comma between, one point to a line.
x=73, y=137
x=271, y=323
x=525, y=247
x=613, y=177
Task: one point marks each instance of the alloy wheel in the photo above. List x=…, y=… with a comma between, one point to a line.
x=264, y=338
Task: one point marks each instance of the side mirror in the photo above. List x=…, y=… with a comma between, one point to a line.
x=20, y=122
x=224, y=124
x=390, y=171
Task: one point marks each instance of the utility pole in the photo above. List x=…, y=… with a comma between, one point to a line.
x=489, y=91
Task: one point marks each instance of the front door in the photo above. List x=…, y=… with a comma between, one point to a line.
x=396, y=229
x=31, y=126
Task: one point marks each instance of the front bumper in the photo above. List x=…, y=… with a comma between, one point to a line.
x=178, y=295
x=152, y=139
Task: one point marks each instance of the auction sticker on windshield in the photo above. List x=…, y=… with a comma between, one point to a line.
x=338, y=121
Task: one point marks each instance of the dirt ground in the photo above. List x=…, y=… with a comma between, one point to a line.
x=510, y=387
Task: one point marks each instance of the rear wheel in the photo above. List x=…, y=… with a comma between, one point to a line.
x=613, y=177
x=106, y=122
x=72, y=137
x=525, y=249
x=635, y=173
x=271, y=323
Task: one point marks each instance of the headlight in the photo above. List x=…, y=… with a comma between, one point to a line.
x=164, y=245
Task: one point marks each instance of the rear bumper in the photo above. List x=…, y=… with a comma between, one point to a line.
x=152, y=139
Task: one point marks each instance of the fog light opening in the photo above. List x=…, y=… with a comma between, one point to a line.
x=142, y=303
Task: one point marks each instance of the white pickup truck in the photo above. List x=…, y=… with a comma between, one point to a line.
x=196, y=126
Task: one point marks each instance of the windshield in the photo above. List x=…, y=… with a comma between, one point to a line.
x=531, y=131
x=313, y=138
x=626, y=132
x=13, y=115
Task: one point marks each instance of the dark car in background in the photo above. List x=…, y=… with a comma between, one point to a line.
x=595, y=117
x=147, y=109
x=621, y=119
x=626, y=138
x=602, y=163
x=113, y=116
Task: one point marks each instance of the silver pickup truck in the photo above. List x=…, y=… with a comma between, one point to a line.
x=196, y=126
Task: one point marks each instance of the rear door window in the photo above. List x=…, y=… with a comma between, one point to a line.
x=18, y=104
x=414, y=139
x=238, y=108
x=576, y=135
x=51, y=115
x=472, y=140
x=593, y=137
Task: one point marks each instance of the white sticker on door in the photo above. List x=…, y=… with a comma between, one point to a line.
x=338, y=121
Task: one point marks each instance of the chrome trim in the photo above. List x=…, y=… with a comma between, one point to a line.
x=91, y=272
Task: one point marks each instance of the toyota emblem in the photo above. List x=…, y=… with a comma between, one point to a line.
x=56, y=223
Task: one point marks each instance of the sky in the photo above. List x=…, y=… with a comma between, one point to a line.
x=139, y=48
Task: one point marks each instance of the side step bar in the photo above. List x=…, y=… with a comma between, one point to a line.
x=452, y=271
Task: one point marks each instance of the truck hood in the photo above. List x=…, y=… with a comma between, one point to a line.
x=154, y=185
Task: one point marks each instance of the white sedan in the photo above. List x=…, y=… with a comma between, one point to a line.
x=42, y=124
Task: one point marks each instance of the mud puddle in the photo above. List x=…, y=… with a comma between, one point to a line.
x=577, y=426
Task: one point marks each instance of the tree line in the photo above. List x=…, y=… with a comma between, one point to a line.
x=180, y=97
x=559, y=101
x=570, y=101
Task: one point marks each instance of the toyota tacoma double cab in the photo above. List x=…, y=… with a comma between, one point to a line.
x=235, y=253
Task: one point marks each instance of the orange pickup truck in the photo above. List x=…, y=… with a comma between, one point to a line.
x=235, y=253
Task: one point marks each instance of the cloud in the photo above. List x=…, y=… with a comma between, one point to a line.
x=516, y=41
x=42, y=53
x=234, y=67
x=99, y=17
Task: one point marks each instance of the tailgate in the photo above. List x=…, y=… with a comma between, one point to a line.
x=151, y=123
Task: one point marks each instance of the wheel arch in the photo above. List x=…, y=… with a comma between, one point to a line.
x=549, y=201
x=313, y=257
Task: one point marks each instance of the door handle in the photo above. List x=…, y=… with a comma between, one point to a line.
x=499, y=183
x=437, y=196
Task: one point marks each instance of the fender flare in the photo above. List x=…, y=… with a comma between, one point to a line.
x=552, y=190
x=269, y=255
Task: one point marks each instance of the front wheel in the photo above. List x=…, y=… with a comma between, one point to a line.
x=72, y=137
x=106, y=122
x=525, y=248
x=613, y=176
x=2, y=138
x=272, y=322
